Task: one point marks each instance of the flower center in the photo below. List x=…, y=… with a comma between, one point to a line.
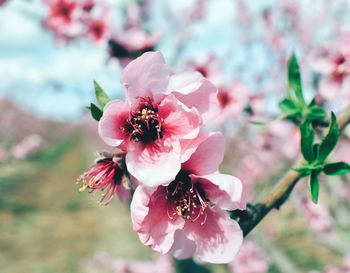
x=65, y=10
x=187, y=199
x=107, y=175
x=97, y=28
x=144, y=124
x=342, y=68
x=224, y=98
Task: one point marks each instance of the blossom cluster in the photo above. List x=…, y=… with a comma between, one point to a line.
x=69, y=19
x=168, y=163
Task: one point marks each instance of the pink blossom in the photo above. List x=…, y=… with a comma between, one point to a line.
x=97, y=20
x=334, y=67
x=88, y=5
x=344, y=269
x=187, y=217
x=286, y=138
x=342, y=152
x=62, y=18
x=317, y=216
x=249, y=260
x=29, y=145
x=3, y=2
x=209, y=67
x=257, y=107
x=159, y=114
x=232, y=101
x=97, y=29
x=70, y=19
x=131, y=43
x=108, y=174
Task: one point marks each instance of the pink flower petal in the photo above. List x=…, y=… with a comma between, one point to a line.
x=218, y=239
x=225, y=191
x=139, y=206
x=329, y=88
x=322, y=63
x=189, y=146
x=208, y=156
x=183, y=248
x=193, y=89
x=151, y=221
x=155, y=165
x=114, y=115
x=145, y=76
x=179, y=121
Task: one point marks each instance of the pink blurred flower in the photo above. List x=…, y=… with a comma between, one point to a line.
x=71, y=19
x=108, y=174
x=29, y=145
x=286, y=138
x=343, y=150
x=97, y=29
x=317, y=216
x=187, y=217
x=62, y=18
x=130, y=44
x=88, y=5
x=232, y=101
x=3, y=2
x=209, y=67
x=334, y=66
x=344, y=269
x=258, y=107
x=159, y=114
x=249, y=260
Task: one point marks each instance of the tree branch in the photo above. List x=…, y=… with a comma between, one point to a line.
x=249, y=218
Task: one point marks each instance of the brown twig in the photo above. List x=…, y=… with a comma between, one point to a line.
x=249, y=218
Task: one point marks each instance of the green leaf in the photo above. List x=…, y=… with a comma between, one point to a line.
x=337, y=168
x=313, y=102
x=287, y=105
x=329, y=141
x=303, y=170
x=314, y=186
x=101, y=95
x=289, y=108
x=96, y=112
x=316, y=112
x=294, y=79
x=307, y=141
x=316, y=149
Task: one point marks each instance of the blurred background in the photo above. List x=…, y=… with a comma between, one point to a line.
x=52, y=50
